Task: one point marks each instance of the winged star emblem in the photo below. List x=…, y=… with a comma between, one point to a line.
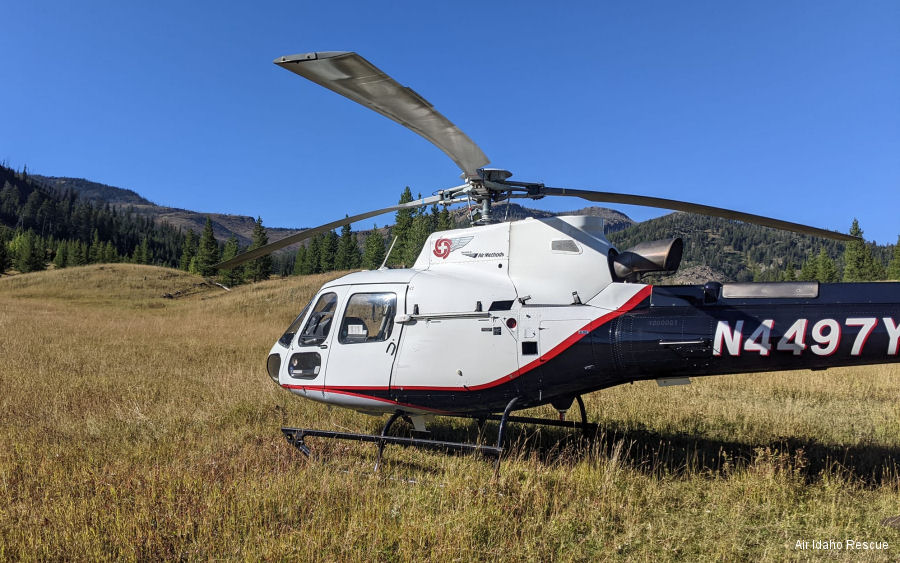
x=444, y=246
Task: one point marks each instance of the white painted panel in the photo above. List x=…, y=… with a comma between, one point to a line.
x=454, y=352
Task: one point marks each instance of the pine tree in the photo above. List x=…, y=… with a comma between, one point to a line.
x=207, y=251
x=402, y=229
x=343, y=257
x=373, y=255
x=858, y=262
x=893, y=270
x=95, y=254
x=109, y=253
x=299, y=260
x=311, y=263
x=444, y=222
x=789, y=274
x=59, y=259
x=233, y=277
x=261, y=268
x=188, y=250
x=5, y=261
x=328, y=251
x=142, y=253
x=421, y=228
x=75, y=255
x=355, y=260
x=809, y=269
x=30, y=256
x=827, y=272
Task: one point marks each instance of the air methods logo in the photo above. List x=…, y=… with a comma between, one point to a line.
x=444, y=246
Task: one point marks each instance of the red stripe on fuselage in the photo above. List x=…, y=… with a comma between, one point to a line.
x=554, y=352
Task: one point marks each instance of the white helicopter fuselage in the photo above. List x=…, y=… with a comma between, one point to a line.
x=479, y=308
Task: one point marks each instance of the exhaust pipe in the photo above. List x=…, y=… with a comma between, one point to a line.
x=654, y=256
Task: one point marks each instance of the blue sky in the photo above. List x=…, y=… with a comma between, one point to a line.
x=787, y=109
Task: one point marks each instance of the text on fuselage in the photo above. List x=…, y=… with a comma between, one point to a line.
x=822, y=337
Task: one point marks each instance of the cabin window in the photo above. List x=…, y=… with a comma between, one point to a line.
x=304, y=365
x=369, y=317
x=288, y=335
x=319, y=323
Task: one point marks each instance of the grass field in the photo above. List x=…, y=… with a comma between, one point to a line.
x=134, y=427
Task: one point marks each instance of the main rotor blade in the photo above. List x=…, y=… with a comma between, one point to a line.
x=354, y=77
x=308, y=233
x=662, y=203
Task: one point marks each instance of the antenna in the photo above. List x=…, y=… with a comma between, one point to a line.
x=388, y=255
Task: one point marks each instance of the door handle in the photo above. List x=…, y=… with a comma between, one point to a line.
x=391, y=348
x=323, y=346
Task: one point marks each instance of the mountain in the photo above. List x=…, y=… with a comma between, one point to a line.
x=92, y=191
x=223, y=225
x=507, y=211
x=242, y=226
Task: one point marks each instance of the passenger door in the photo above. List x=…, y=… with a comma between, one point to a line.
x=367, y=336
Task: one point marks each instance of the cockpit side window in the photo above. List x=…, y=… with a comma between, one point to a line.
x=319, y=324
x=369, y=317
x=288, y=335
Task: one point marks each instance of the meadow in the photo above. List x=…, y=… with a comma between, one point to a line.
x=138, y=427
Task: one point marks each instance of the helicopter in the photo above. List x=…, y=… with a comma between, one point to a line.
x=508, y=315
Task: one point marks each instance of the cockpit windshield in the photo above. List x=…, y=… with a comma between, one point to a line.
x=316, y=329
x=286, y=338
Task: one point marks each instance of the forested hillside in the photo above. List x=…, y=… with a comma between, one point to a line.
x=746, y=252
x=43, y=224
x=224, y=225
x=39, y=224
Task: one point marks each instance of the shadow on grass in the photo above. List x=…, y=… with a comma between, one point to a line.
x=659, y=453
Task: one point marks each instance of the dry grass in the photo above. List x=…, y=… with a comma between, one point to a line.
x=136, y=427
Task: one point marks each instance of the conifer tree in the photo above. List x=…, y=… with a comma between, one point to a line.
x=5, y=261
x=893, y=270
x=343, y=258
x=421, y=228
x=75, y=255
x=95, y=254
x=859, y=264
x=59, y=259
x=809, y=269
x=789, y=274
x=402, y=228
x=109, y=253
x=233, y=277
x=328, y=251
x=207, y=251
x=299, y=260
x=373, y=255
x=142, y=253
x=311, y=263
x=30, y=256
x=261, y=268
x=444, y=222
x=355, y=257
x=188, y=250
x=826, y=270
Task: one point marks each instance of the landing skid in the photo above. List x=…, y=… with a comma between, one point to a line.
x=297, y=436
